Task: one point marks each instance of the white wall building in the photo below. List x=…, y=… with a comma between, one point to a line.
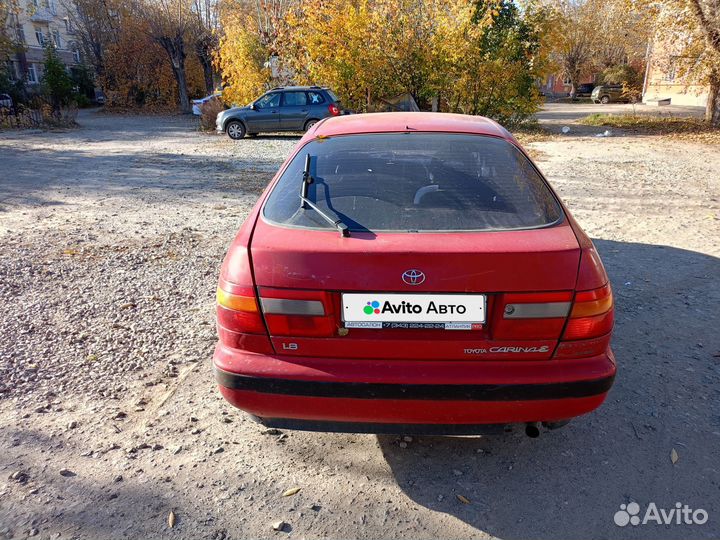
x=37, y=23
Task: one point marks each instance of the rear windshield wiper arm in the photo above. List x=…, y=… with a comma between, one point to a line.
x=307, y=179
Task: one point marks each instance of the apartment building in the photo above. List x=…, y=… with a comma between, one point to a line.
x=36, y=24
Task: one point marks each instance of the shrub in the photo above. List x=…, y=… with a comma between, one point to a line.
x=56, y=82
x=208, y=113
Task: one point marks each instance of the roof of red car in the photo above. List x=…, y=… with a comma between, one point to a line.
x=408, y=121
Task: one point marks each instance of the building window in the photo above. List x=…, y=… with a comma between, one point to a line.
x=52, y=7
x=76, y=54
x=567, y=81
x=56, y=39
x=69, y=26
x=32, y=74
x=39, y=36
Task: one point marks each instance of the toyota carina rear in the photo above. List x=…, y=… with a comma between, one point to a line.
x=412, y=273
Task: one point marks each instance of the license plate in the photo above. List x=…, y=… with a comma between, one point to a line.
x=441, y=311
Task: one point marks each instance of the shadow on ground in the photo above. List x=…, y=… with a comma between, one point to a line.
x=569, y=483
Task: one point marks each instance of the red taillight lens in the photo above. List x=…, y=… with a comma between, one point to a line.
x=240, y=323
x=587, y=332
x=334, y=109
x=588, y=327
x=298, y=313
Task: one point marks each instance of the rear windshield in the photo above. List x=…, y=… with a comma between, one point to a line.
x=412, y=182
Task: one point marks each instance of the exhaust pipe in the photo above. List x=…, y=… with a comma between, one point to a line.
x=532, y=429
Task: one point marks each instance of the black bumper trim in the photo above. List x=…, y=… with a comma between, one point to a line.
x=431, y=392
x=384, y=429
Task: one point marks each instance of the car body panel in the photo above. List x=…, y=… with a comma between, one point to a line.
x=359, y=378
x=613, y=93
x=416, y=392
x=285, y=116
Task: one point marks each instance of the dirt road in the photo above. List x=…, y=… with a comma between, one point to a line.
x=111, y=237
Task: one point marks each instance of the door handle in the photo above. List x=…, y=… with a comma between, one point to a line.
x=274, y=112
x=303, y=110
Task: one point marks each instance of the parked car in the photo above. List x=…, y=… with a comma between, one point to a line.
x=6, y=101
x=198, y=103
x=412, y=273
x=291, y=108
x=607, y=93
x=584, y=90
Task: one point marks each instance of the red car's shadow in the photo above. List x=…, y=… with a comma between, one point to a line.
x=570, y=483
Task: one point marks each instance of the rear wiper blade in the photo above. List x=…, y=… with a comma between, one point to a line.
x=307, y=179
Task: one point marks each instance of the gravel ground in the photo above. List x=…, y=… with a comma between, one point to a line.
x=111, y=237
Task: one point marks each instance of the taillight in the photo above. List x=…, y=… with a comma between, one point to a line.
x=334, y=109
x=532, y=315
x=239, y=321
x=298, y=313
x=239, y=312
x=587, y=332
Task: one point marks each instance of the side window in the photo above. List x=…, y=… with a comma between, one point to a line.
x=294, y=99
x=268, y=100
x=315, y=98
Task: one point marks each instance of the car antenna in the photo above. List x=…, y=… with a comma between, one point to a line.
x=307, y=179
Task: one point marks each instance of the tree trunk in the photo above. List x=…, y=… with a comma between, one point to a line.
x=712, y=110
x=208, y=74
x=175, y=47
x=203, y=50
x=181, y=79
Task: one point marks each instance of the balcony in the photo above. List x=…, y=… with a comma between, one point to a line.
x=44, y=15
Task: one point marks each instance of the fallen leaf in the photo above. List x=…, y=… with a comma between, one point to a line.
x=171, y=519
x=674, y=456
x=290, y=492
x=463, y=499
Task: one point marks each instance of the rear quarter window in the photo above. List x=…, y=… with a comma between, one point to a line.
x=412, y=182
x=315, y=98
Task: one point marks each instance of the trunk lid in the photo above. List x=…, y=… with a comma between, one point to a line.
x=534, y=266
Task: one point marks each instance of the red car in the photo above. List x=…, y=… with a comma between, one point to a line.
x=412, y=273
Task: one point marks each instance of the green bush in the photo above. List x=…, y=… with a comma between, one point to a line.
x=56, y=83
x=82, y=101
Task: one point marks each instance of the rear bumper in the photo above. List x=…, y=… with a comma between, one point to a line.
x=434, y=396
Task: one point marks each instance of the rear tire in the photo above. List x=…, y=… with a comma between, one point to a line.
x=310, y=123
x=605, y=100
x=235, y=129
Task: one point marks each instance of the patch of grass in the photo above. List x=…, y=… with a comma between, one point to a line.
x=682, y=127
x=530, y=132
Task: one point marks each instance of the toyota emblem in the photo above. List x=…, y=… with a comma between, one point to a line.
x=413, y=277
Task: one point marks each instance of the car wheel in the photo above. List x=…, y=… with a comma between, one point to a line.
x=309, y=124
x=605, y=100
x=235, y=129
